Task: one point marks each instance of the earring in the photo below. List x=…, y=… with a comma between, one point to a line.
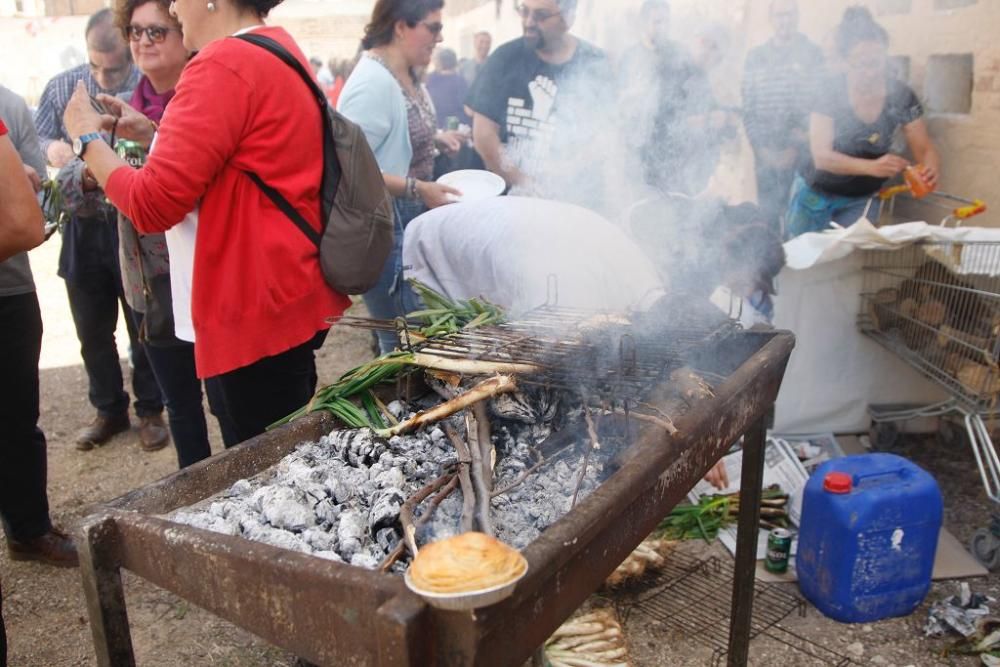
x=211, y=6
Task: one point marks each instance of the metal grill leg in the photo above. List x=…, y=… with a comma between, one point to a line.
x=102, y=585
x=751, y=478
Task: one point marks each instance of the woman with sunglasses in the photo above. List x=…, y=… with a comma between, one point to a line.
x=259, y=303
x=385, y=97
x=158, y=50
x=851, y=134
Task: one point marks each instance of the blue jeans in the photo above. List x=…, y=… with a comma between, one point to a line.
x=392, y=297
x=812, y=210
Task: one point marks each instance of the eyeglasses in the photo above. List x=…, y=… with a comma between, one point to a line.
x=433, y=28
x=156, y=33
x=540, y=15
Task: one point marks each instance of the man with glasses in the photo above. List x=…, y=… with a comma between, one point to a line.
x=536, y=101
x=778, y=85
x=88, y=260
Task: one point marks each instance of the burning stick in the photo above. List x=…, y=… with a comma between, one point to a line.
x=397, y=553
x=594, y=444
x=488, y=388
x=479, y=480
x=522, y=478
x=410, y=506
x=691, y=386
x=484, y=434
x=468, y=492
x=665, y=422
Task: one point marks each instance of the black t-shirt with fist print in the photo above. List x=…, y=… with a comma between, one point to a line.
x=856, y=138
x=535, y=102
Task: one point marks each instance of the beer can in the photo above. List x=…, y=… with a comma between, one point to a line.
x=779, y=548
x=132, y=152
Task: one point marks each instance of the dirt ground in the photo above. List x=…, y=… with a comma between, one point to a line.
x=47, y=619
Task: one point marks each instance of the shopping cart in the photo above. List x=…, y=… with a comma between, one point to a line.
x=936, y=305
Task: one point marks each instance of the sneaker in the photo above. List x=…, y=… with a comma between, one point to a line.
x=153, y=435
x=101, y=430
x=53, y=548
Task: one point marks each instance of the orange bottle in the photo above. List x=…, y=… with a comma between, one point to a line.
x=919, y=188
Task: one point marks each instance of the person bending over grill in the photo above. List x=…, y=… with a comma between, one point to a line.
x=523, y=253
x=702, y=244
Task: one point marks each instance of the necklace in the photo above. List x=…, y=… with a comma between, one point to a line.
x=416, y=98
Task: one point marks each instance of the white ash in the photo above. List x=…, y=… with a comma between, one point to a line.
x=340, y=498
x=521, y=515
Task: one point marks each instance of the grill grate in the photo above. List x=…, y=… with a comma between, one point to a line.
x=573, y=349
x=692, y=596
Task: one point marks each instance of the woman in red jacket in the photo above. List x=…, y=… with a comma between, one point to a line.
x=258, y=300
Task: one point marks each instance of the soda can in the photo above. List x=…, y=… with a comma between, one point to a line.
x=132, y=152
x=779, y=548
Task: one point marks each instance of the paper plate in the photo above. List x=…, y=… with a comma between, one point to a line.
x=474, y=184
x=466, y=601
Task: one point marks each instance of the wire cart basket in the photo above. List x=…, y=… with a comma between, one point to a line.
x=936, y=305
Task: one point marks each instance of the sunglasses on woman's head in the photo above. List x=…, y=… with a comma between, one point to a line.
x=156, y=33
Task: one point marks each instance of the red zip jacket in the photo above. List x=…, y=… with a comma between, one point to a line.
x=257, y=289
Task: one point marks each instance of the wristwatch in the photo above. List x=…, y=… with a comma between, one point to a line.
x=80, y=143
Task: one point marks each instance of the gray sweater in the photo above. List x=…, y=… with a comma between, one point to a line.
x=15, y=273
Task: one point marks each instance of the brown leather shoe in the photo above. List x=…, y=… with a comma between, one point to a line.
x=153, y=434
x=101, y=430
x=53, y=548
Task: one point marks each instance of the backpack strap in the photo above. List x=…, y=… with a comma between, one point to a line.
x=286, y=207
x=276, y=197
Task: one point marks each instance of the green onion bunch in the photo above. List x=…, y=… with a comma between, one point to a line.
x=444, y=316
x=704, y=519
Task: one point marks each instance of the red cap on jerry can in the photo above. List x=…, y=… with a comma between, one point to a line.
x=838, y=482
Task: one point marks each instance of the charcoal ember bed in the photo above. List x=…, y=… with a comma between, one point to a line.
x=340, y=498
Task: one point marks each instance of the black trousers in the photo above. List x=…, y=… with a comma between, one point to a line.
x=94, y=305
x=260, y=394
x=24, y=505
x=174, y=368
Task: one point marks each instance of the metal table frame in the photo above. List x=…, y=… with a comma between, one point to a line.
x=334, y=614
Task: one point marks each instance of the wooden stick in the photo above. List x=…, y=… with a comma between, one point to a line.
x=500, y=384
x=410, y=506
x=482, y=491
x=425, y=518
x=594, y=444
x=665, y=423
x=468, y=491
x=484, y=432
x=523, y=477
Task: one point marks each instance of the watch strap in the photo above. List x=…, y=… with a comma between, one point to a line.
x=85, y=140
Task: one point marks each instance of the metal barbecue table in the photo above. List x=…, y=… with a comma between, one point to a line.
x=334, y=614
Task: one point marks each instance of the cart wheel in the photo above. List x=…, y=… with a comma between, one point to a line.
x=883, y=435
x=986, y=548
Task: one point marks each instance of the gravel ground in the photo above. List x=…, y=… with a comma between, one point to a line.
x=47, y=619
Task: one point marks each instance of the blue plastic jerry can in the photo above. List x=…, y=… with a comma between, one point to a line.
x=868, y=536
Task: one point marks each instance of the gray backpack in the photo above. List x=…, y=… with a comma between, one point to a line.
x=357, y=235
